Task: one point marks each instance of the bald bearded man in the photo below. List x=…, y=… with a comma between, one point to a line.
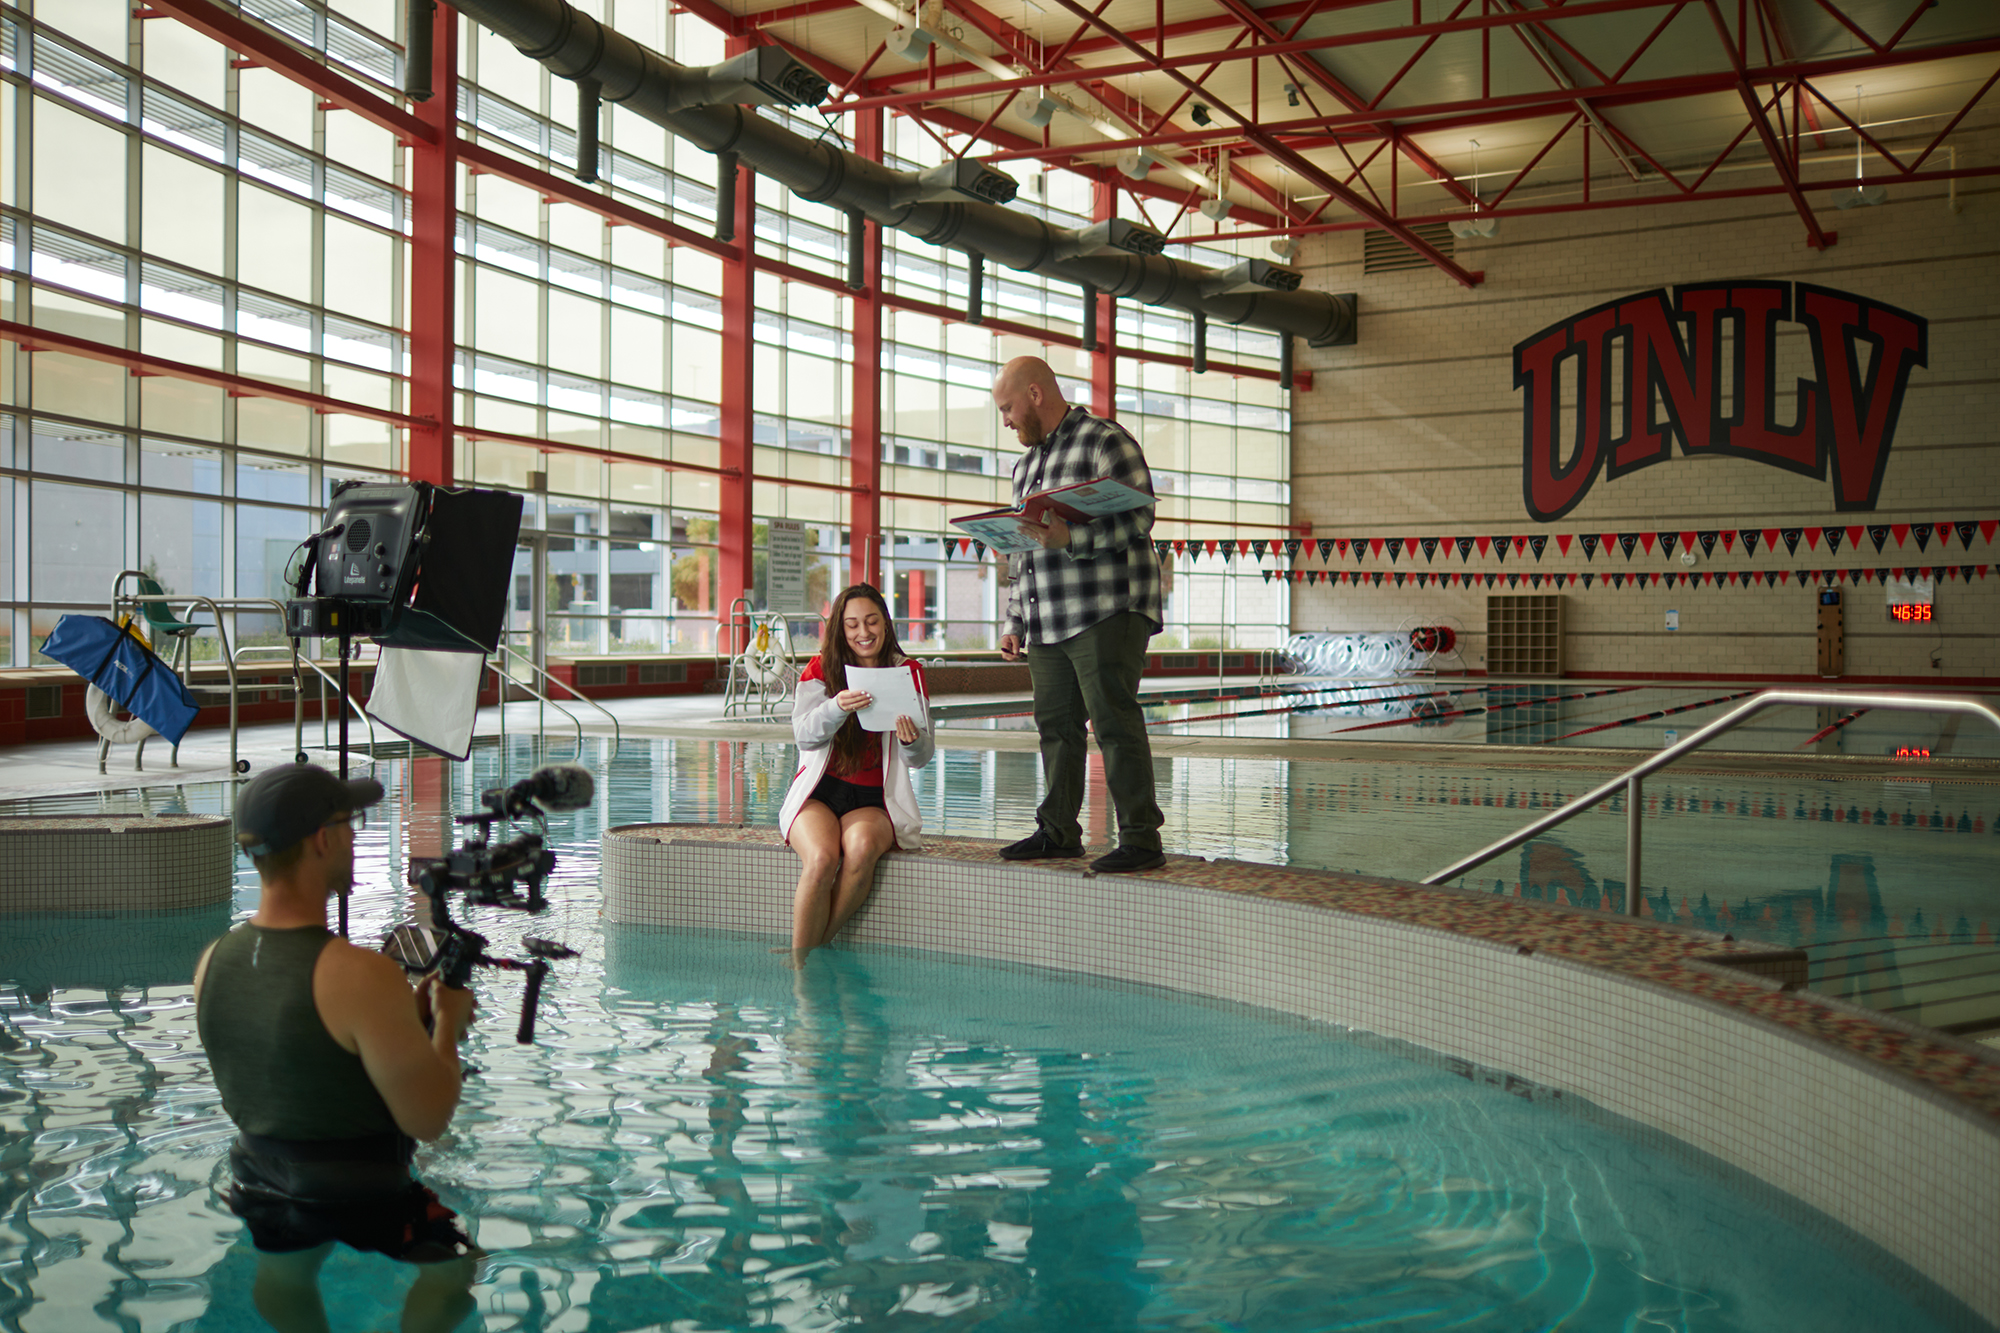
x=1082, y=609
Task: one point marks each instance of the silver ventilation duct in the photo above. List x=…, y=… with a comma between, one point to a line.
x=703, y=107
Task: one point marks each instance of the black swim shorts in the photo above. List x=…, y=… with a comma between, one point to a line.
x=298, y=1196
x=844, y=797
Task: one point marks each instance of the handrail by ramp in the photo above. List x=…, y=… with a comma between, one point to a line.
x=1632, y=779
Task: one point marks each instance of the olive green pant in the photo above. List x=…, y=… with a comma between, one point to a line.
x=1094, y=677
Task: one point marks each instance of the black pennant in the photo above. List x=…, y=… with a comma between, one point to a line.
x=1617, y=580
x=1589, y=543
x=1834, y=536
x=1922, y=532
x=1267, y=575
x=1395, y=545
x=1626, y=541
x=1464, y=545
x=1325, y=548
x=978, y=550
x=1878, y=533
x=1965, y=527
x=1707, y=540
x=1668, y=541
x=1491, y=579
x=1749, y=536
x=1160, y=548
x=1538, y=544
x=1800, y=575
x=1587, y=579
x=1430, y=545
x=1500, y=545
x=1292, y=545
x=1791, y=536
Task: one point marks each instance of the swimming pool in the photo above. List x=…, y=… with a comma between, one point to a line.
x=887, y=1137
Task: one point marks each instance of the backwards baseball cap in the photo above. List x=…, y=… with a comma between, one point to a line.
x=282, y=806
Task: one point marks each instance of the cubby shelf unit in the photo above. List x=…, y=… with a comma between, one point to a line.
x=1524, y=635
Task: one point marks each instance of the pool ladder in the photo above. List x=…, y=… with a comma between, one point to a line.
x=1632, y=780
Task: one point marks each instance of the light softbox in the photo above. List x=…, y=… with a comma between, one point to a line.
x=435, y=640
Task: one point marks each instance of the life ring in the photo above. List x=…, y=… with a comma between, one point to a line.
x=1433, y=638
x=768, y=655
x=97, y=707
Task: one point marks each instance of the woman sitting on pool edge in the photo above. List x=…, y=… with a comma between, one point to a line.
x=851, y=799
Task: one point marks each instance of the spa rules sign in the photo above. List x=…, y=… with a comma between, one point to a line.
x=1708, y=359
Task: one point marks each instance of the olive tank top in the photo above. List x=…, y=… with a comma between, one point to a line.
x=281, y=1074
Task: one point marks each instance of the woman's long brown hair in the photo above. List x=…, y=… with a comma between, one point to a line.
x=851, y=745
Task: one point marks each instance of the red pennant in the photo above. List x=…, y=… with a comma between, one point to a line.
x=1986, y=526
x=1854, y=536
x=1812, y=539
x=1180, y=546
x=1210, y=544
x=1900, y=531
x=1729, y=539
x=1646, y=542
x=1562, y=543
x=1520, y=545
x=1375, y=545
x=1771, y=538
x=1486, y=542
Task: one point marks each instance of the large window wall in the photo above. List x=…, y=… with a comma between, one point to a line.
x=159, y=196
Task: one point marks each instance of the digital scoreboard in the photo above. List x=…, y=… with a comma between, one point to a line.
x=1911, y=601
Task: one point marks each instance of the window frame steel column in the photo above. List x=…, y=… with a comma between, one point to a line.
x=433, y=269
x=735, y=427
x=864, y=501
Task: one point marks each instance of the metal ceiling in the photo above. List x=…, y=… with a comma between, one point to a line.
x=1339, y=114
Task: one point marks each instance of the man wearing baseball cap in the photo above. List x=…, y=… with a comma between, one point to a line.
x=321, y=1055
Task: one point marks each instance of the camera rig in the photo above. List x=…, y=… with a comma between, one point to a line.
x=487, y=874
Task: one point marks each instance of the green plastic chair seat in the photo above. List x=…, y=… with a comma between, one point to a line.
x=159, y=617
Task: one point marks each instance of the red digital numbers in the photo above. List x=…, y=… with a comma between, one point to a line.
x=1912, y=752
x=1910, y=611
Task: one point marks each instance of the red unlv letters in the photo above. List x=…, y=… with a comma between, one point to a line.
x=1846, y=413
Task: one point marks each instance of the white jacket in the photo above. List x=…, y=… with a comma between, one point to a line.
x=815, y=718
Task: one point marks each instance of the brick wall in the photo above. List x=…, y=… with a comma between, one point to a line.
x=1417, y=430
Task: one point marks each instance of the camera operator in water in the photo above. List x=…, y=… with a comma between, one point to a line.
x=320, y=1051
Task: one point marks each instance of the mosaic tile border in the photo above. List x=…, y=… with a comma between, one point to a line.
x=1887, y=1129
x=115, y=863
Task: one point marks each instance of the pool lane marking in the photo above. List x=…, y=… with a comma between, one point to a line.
x=1651, y=717
x=1294, y=708
x=1498, y=731
x=1829, y=729
x=1491, y=708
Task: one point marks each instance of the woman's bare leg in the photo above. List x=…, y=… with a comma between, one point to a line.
x=816, y=838
x=864, y=836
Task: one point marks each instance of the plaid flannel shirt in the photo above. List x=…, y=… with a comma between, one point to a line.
x=1109, y=565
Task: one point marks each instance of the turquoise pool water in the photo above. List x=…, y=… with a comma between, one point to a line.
x=703, y=1139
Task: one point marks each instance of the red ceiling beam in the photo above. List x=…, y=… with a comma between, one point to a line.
x=1307, y=170
x=1816, y=236
x=1147, y=63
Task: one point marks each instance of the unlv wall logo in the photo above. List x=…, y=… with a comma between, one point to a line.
x=1845, y=415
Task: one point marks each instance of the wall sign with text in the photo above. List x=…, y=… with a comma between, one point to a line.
x=1672, y=352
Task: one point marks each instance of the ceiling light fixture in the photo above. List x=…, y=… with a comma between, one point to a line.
x=1469, y=228
x=1862, y=194
x=1292, y=93
x=1200, y=114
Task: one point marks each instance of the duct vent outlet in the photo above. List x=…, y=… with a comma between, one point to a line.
x=1383, y=253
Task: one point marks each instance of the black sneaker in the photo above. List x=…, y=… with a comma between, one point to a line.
x=1126, y=860
x=1037, y=847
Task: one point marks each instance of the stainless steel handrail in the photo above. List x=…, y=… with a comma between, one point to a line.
x=1632, y=779
x=617, y=736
